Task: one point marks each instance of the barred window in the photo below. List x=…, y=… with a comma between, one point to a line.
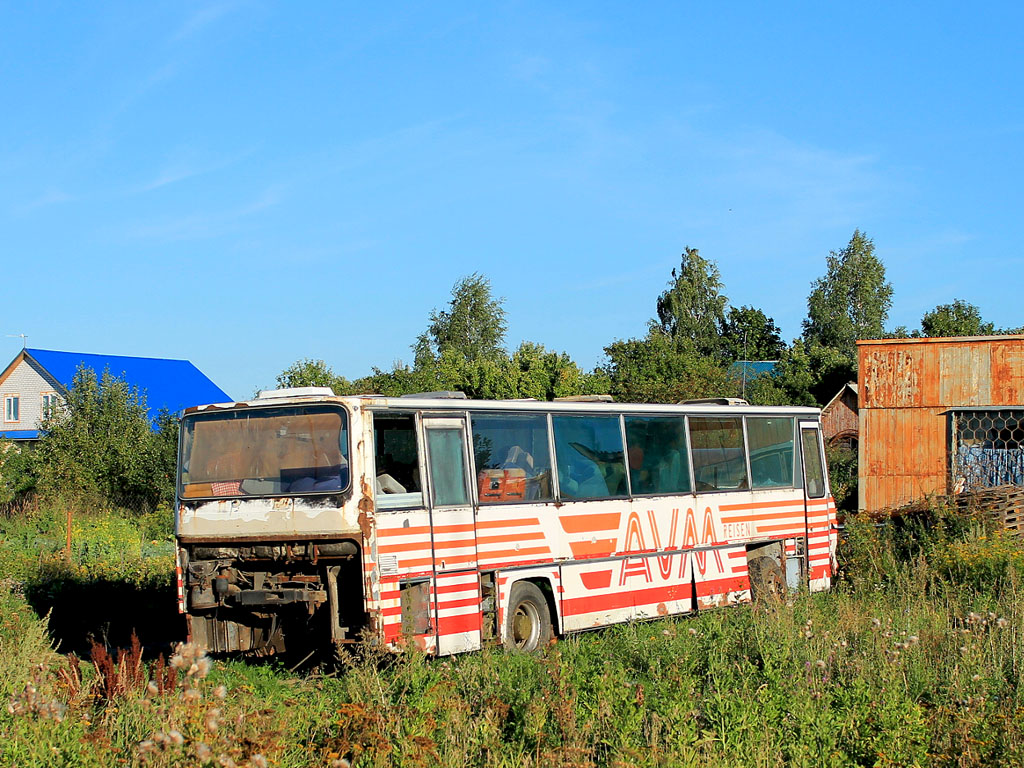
x=988, y=447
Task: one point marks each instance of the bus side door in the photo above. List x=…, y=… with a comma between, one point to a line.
x=456, y=594
x=815, y=497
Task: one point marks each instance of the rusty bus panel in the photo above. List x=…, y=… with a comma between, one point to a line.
x=906, y=389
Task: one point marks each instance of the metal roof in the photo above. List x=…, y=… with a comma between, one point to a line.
x=19, y=434
x=752, y=368
x=170, y=384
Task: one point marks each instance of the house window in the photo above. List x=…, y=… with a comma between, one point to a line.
x=49, y=400
x=987, y=447
x=11, y=408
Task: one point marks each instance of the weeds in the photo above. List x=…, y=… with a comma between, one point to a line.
x=914, y=659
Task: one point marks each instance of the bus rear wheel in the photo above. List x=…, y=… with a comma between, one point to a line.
x=767, y=582
x=528, y=620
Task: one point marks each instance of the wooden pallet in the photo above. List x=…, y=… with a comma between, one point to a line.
x=1005, y=503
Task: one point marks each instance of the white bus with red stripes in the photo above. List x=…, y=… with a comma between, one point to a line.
x=442, y=523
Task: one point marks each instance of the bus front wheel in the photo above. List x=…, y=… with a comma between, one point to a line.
x=528, y=620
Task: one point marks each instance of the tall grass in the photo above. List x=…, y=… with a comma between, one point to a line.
x=913, y=659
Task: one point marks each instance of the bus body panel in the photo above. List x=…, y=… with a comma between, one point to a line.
x=439, y=579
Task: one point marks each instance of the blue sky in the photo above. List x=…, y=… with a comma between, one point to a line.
x=244, y=184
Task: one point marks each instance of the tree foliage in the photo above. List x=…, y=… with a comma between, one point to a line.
x=851, y=301
x=99, y=447
x=957, y=319
x=692, y=308
x=660, y=369
x=471, y=327
x=749, y=334
x=308, y=372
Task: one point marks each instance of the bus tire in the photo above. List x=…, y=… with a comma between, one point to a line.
x=767, y=582
x=528, y=618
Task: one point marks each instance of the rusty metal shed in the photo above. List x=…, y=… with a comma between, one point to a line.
x=939, y=415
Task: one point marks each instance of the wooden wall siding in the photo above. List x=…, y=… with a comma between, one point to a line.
x=840, y=416
x=905, y=388
x=29, y=382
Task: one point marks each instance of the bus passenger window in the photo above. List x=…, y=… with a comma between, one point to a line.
x=771, y=452
x=396, y=456
x=658, y=461
x=719, y=462
x=511, y=455
x=588, y=450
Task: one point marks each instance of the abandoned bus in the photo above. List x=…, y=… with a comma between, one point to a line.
x=444, y=524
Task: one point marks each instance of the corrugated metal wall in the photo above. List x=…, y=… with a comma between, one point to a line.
x=905, y=385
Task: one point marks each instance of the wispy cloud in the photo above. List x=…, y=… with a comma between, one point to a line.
x=45, y=200
x=181, y=169
x=204, y=18
x=201, y=226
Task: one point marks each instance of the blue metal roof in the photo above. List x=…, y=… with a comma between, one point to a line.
x=753, y=368
x=170, y=384
x=20, y=434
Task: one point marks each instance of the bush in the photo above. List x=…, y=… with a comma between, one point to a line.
x=99, y=449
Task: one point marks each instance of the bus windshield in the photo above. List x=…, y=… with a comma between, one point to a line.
x=264, y=452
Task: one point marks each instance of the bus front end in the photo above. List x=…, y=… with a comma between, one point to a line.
x=269, y=525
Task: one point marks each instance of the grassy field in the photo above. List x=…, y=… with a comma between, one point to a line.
x=914, y=659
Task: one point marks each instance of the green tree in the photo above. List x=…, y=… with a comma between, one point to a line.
x=544, y=375
x=99, y=447
x=956, y=319
x=18, y=474
x=851, y=301
x=308, y=372
x=471, y=327
x=660, y=369
x=749, y=334
x=692, y=308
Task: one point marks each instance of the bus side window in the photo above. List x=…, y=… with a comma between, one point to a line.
x=719, y=462
x=813, y=470
x=396, y=456
x=658, y=459
x=590, y=458
x=511, y=456
x=771, y=452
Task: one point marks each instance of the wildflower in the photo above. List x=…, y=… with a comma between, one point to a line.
x=820, y=664
x=191, y=695
x=843, y=643
x=341, y=762
x=808, y=634
x=913, y=640
x=146, y=746
x=1001, y=622
x=693, y=631
x=203, y=753
x=875, y=623
x=212, y=725
x=151, y=689
x=258, y=761
x=973, y=617
x=225, y=761
x=221, y=692
x=963, y=649
x=975, y=678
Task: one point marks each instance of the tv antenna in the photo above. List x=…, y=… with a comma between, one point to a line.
x=22, y=336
